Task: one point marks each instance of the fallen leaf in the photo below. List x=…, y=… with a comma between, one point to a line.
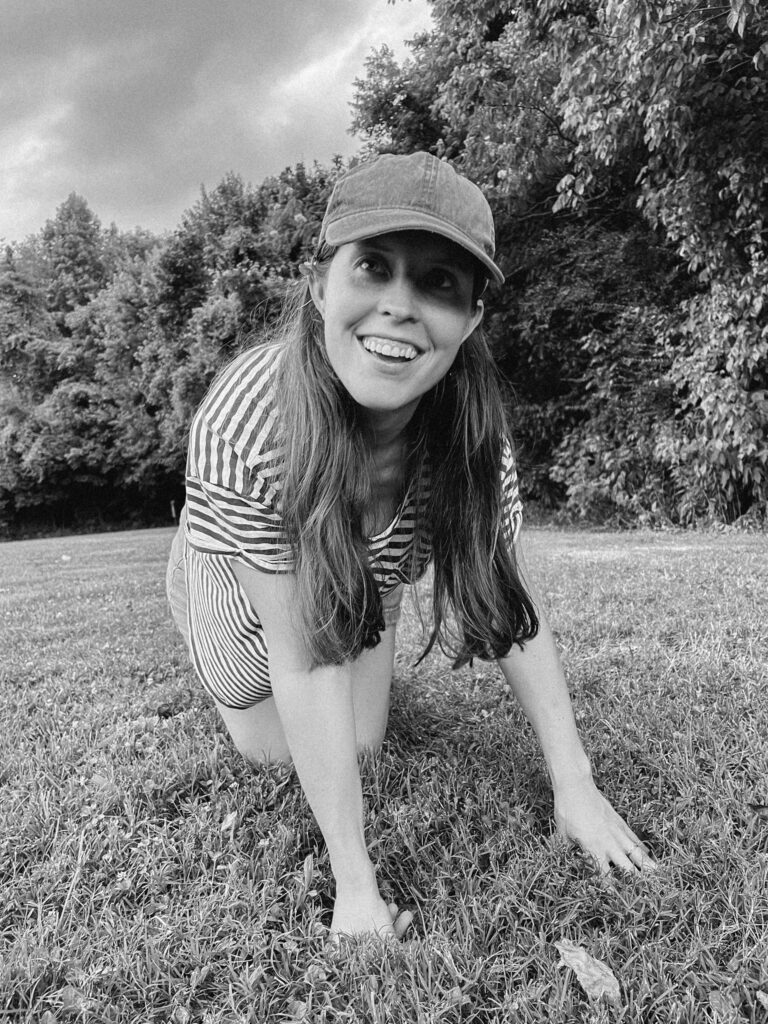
x=73, y=1001
x=594, y=976
x=762, y=998
x=106, y=788
x=457, y=997
x=198, y=976
x=297, y=1010
x=315, y=975
x=723, y=1002
x=229, y=822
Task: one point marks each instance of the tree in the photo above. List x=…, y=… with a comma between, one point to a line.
x=685, y=85
x=72, y=249
x=28, y=336
x=582, y=119
x=393, y=108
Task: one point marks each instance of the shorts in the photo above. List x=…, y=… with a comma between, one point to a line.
x=178, y=600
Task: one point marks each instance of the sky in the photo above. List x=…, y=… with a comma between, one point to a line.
x=136, y=104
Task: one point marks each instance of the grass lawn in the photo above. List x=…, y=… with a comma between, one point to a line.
x=147, y=874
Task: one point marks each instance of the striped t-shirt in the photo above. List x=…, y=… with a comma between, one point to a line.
x=233, y=486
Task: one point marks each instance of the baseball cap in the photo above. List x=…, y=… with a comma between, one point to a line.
x=417, y=192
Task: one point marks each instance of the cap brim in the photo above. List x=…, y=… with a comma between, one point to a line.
x=354, y=226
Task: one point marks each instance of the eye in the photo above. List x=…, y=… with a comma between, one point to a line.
x=441, y=280
x=370, y=264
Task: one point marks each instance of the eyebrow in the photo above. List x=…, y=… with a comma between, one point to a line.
x=448, y=259
x=372, y=243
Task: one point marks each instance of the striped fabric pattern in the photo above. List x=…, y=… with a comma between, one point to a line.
x=233, y=485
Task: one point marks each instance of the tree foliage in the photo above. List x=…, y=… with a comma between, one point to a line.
x=108, y=342
x=684, y=86
x=601, y=119
x=622, y=146
x=71, y=246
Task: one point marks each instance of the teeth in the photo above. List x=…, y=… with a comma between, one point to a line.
x=389, y=348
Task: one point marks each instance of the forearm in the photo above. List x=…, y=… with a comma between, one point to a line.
x=536, y=677
x=317, y=715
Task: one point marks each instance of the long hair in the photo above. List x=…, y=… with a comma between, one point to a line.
x=454, y=463
x=480, y=605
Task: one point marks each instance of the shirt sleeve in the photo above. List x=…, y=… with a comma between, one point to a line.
x=512, y=505
x=232, y=506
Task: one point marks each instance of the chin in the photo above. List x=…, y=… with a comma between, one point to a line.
x=377, y=404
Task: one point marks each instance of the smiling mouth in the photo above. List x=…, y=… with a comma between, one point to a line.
x=391, y=351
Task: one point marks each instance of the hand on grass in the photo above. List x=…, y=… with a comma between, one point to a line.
x=583, y=815
x=364, y=915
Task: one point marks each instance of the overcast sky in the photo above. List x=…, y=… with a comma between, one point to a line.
x=137, y=103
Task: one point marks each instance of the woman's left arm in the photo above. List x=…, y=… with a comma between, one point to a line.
x=582, y=813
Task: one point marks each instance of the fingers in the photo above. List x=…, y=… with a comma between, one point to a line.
x=640, y=857
x=625, y=864
x=635, y=850
x=626, y=852
x=386, y=933
x=630, y=856
x=401, y=922
x=392, y=931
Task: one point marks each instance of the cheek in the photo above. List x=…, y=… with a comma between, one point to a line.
x=454, y=330
x=340, y=312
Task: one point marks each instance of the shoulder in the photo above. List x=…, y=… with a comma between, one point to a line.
x=240, y=407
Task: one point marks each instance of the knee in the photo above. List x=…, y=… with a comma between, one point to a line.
x=259, y=756
x=256, y=733
x=279, y=754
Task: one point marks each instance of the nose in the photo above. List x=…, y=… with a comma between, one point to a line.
x=398, y=298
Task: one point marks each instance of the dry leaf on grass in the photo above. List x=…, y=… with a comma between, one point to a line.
x=723, y=1003
x=297, y=1010
x=228, y=825
x=595, y=978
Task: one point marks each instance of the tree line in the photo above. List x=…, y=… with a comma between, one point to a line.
x=623, y=146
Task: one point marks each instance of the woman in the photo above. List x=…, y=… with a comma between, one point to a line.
x=326, y=469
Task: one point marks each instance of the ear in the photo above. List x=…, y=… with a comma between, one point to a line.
x=317, y=291
x=475, y=318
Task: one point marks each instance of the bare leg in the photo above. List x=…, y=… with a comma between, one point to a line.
x=258, y=733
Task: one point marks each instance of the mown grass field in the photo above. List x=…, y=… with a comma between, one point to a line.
x=147, y=874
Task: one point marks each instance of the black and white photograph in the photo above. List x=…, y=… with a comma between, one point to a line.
x=384, y=512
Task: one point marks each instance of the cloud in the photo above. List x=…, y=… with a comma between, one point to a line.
x=136, y=103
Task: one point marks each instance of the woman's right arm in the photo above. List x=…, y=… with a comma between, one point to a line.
x=316, y=711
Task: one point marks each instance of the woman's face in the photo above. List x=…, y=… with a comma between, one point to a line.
x=396, y=308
